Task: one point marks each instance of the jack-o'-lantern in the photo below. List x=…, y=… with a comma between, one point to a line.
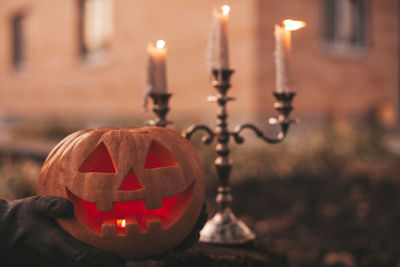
x=136, y=192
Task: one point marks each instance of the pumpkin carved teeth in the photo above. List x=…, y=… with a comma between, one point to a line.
x=139, y=219
x=105, y=206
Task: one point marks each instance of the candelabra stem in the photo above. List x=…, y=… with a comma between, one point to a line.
x=224, y=228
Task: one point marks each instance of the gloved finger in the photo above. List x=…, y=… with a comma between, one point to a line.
x=55, y=207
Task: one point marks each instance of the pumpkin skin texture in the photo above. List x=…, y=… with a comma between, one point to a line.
x=136, y=191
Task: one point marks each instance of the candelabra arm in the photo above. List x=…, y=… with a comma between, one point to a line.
x=284, y=107
x=279, y=138
x=206, y=139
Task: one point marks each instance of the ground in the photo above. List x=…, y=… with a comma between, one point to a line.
x=332, y=200
x=325, y=221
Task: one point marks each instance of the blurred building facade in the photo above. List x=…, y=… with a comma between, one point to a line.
x=87, y=58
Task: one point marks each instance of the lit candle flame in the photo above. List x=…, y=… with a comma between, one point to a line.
x=121, y=223
x=292, y=25
x=160, y=44
x=226, y=9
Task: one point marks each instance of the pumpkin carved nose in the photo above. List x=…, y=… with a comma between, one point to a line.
x=130, y=183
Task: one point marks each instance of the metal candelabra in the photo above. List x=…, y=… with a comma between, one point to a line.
x=224, y=228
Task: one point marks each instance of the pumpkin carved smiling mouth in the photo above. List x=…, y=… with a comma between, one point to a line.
x=138, y=218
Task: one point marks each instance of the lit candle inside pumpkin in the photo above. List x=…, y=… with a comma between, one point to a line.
x=121, y=224
x=283, y=37
x=156, y=72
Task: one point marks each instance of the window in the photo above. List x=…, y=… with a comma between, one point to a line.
x=95, y=28
x=18, y=45
x=344, y=26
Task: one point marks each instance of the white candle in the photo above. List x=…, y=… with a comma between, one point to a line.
x=282, y=52
x=156, y=72
x=283, y=39
x=220, y=59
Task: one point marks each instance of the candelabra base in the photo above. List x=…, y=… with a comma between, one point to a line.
x=225, y=229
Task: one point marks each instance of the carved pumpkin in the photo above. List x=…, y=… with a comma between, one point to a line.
x=136, y=192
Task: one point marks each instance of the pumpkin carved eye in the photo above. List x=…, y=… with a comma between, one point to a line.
x=98, y=161
x=158, y=157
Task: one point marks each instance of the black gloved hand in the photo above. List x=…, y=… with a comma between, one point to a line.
x=28, y=225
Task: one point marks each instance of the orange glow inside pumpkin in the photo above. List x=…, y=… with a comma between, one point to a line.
x=171, y=210
x=130, y=211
